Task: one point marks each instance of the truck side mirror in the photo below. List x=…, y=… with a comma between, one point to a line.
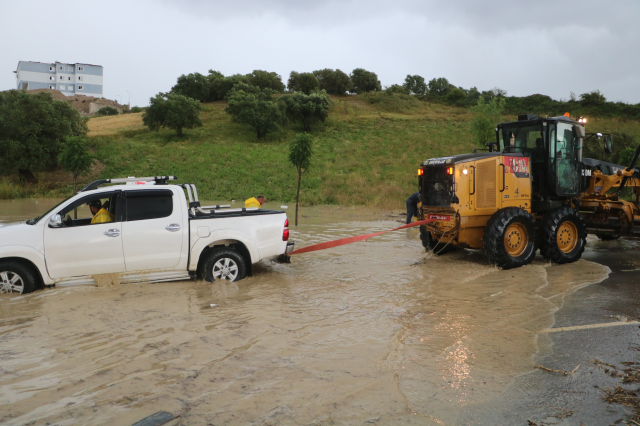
x=55, y=221
x=608, y=144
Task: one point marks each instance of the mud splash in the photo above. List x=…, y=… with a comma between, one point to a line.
x=376, y=332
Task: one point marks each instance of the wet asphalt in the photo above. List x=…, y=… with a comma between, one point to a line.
x=545, y=398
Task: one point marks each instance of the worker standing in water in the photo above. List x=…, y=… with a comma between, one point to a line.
x=412, y=206
x=255, y=201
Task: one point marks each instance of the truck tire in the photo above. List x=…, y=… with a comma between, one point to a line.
x=607, y=237
x=563, y=235
x=510, y=238
x=427, y=240
x=225, y=264
x=16, y=277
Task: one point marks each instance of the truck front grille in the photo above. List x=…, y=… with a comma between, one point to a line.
x=436, y=187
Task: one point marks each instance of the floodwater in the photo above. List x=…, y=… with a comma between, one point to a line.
x=375, y=332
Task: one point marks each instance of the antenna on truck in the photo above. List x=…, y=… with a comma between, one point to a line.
x=159, y=180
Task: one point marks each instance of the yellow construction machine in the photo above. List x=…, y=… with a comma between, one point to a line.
x=530, y=190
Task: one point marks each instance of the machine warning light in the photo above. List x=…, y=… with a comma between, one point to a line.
x=449, y=170
x=420, y=172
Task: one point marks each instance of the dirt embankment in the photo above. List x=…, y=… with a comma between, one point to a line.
x=83, y=103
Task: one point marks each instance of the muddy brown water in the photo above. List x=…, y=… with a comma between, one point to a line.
x=376, y=332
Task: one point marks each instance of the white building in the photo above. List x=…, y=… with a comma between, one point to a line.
x=70, y=79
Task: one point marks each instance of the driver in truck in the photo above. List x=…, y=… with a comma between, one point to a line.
x=100, y=213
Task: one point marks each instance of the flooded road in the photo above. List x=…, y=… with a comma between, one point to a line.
x=376, y=332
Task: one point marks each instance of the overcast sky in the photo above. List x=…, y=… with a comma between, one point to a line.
x=547, y=47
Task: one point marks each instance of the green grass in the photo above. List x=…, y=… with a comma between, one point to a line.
x=366, y=153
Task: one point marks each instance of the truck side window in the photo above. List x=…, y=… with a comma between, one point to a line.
x=149, y=204
x=79, y=213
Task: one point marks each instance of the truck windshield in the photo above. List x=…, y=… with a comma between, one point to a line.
x=522, y=139
x=37, y=219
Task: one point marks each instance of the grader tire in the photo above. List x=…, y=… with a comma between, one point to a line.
x=427, y=240
x=563, y=235
x=510, y=238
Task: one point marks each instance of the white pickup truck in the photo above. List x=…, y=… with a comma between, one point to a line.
x=153, y=234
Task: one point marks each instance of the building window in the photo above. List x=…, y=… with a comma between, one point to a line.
x=69, y=78
x=61, y=68
x=61, y=87
x=52, y=87
x=80, y=68
x=79, y=78
x=52, y=78
x=61, y=78
x=50, y=68
x=70, y=69
x=79, y=87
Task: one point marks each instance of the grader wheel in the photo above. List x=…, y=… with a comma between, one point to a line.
x=563, y=235
x=509, y=238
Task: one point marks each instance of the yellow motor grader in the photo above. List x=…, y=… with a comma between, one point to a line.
x=531, y=189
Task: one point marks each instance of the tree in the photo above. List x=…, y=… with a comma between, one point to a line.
x=439, y=87
x=415, y=85
x=265, y=80
x=33, y=129
x=173, y=111
x=222, y=87
x=76, y=158
x=307, y=109
x=300, y=152
x=486, y=116
x=195, y=86
x=304, y=82
x=364, y=81
x=594, y=98
x=255, y=107
x=334, y=82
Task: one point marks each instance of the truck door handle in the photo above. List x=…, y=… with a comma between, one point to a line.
x=112, y=233
x=173, y=227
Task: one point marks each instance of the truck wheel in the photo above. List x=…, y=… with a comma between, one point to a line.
x=564, y=235
x=427, y=240
x=510, y=238
x=607, y=237
x=225, y=264
x=16, y=278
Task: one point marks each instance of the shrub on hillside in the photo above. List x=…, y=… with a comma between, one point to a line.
x=455, y=96
x=415, y=85
x=136, y=109
x=76, y=158
x=108, y=111
x=364, y=81
x=255, y=107
x=335, y=82
x=594, y=98
x=396, y=88
x=33, y=128
x=221, y=87
x=173, y=111
x=307, y=109
x=304, y=82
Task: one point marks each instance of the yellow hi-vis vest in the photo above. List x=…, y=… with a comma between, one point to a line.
x=103, y=216
x=252, y=202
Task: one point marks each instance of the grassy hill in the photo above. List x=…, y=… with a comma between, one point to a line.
x=366, y=153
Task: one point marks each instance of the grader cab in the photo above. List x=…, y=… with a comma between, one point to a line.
x=531, y=189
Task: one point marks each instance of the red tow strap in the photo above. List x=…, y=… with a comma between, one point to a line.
x=349, y=240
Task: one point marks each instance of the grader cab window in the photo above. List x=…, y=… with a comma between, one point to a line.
x=565, y=156
x=523, y=139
